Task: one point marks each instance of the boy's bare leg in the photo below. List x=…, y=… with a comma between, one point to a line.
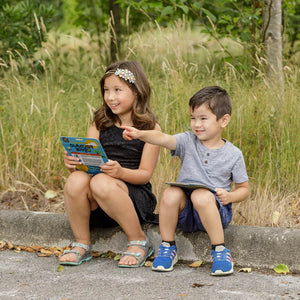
x=77, y=204
x=171, y=205
x=112, y=196
x=205, y=204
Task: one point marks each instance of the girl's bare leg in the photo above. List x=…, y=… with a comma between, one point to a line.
x=112, y=196
x=171, y=205
x=78, y=207
x=205, y=204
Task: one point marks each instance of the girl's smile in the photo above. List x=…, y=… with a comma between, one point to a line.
x=118, y=96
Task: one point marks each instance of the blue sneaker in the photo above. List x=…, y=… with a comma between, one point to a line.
x=166, y=258
x=222, y=261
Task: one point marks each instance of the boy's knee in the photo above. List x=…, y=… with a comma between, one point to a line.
x=203, y=198
x=173, y=196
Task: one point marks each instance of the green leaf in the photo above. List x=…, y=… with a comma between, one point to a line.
x=209, y=14
x=167, y=11
x=184, y=8
x=281, y=269
x=50, y=194
x=60, y=269
x=118, y=257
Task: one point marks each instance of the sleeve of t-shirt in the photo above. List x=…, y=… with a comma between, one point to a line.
x=239, y=172
x=181, y=141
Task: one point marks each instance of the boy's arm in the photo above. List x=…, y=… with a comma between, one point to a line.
x=239, y=194
x=154, y=137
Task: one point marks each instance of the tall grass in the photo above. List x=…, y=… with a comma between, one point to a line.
x=37, y=109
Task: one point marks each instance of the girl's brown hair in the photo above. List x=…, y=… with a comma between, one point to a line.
x=142, y=115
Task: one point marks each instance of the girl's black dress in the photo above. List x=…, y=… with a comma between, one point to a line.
x=128, y=154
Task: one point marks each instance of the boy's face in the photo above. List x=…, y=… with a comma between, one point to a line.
x=205, y=125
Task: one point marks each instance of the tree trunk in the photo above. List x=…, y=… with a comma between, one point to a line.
x=272, y=38
x=115, y=30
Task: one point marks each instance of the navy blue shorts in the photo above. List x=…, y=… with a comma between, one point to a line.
x=189, y=220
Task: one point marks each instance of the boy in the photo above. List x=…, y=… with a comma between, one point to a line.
x=205, y=158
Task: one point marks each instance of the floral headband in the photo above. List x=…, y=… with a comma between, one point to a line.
x=125, y=74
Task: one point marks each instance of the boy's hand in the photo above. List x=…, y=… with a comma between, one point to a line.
x=130, y=133
x=112, y=168
x=71, y=162
x=223, y=196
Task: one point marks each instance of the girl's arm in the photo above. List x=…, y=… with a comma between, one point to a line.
x=155, y=137
x=93, y=132
x=143, y=174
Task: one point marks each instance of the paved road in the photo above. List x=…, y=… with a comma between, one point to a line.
x=26, y=276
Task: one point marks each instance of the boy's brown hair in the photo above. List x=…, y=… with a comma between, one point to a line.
x=216, y=98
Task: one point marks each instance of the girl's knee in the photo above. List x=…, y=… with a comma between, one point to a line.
x=101, y=185
x=77, y=183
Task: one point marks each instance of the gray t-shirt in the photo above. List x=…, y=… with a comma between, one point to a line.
x=214, y=167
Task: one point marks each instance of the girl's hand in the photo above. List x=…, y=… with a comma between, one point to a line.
x=130, y=133
x=112, y=168
x=223, y=195
x=71, y=162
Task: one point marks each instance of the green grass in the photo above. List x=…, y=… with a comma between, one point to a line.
x=35, y=110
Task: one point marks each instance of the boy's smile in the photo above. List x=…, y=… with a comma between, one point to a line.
x=206, y=127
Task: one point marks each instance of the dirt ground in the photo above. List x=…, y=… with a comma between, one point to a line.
x=31, y=200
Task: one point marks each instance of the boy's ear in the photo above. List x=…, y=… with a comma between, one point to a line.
x=225, y=120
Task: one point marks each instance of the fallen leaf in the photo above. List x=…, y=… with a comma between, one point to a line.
x=10, y=245
x=245, y=270
x=182, y=295
x=109, y=254
x=45, y=251
x=196, y=264
x=50, y=194
x=2, y=244
x=28, y=249
x=95, y=254
x=118, y=257
x=148, y=264
x=197, y=285
x=39, y=254
x=275, y=217
x=55, y=250
x=281, y=269
x=60, y=268
x=36, y=248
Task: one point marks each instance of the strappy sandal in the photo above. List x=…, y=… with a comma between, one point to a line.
x=144, y=245
x=87, y=256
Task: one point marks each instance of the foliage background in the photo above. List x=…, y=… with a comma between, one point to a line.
x=54, y=91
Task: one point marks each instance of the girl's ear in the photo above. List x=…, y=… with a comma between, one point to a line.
x=225, y=120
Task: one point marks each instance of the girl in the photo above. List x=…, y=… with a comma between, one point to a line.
x=121, y=195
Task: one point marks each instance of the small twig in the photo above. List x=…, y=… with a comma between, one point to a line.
x=30, y=172
x=25, y=204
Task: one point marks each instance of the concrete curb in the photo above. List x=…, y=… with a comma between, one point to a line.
x=263, y=247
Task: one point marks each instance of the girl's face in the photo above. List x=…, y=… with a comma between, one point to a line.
x=205, y=125
x=118, y=96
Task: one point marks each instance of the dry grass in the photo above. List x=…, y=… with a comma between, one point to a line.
x=36, y=110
